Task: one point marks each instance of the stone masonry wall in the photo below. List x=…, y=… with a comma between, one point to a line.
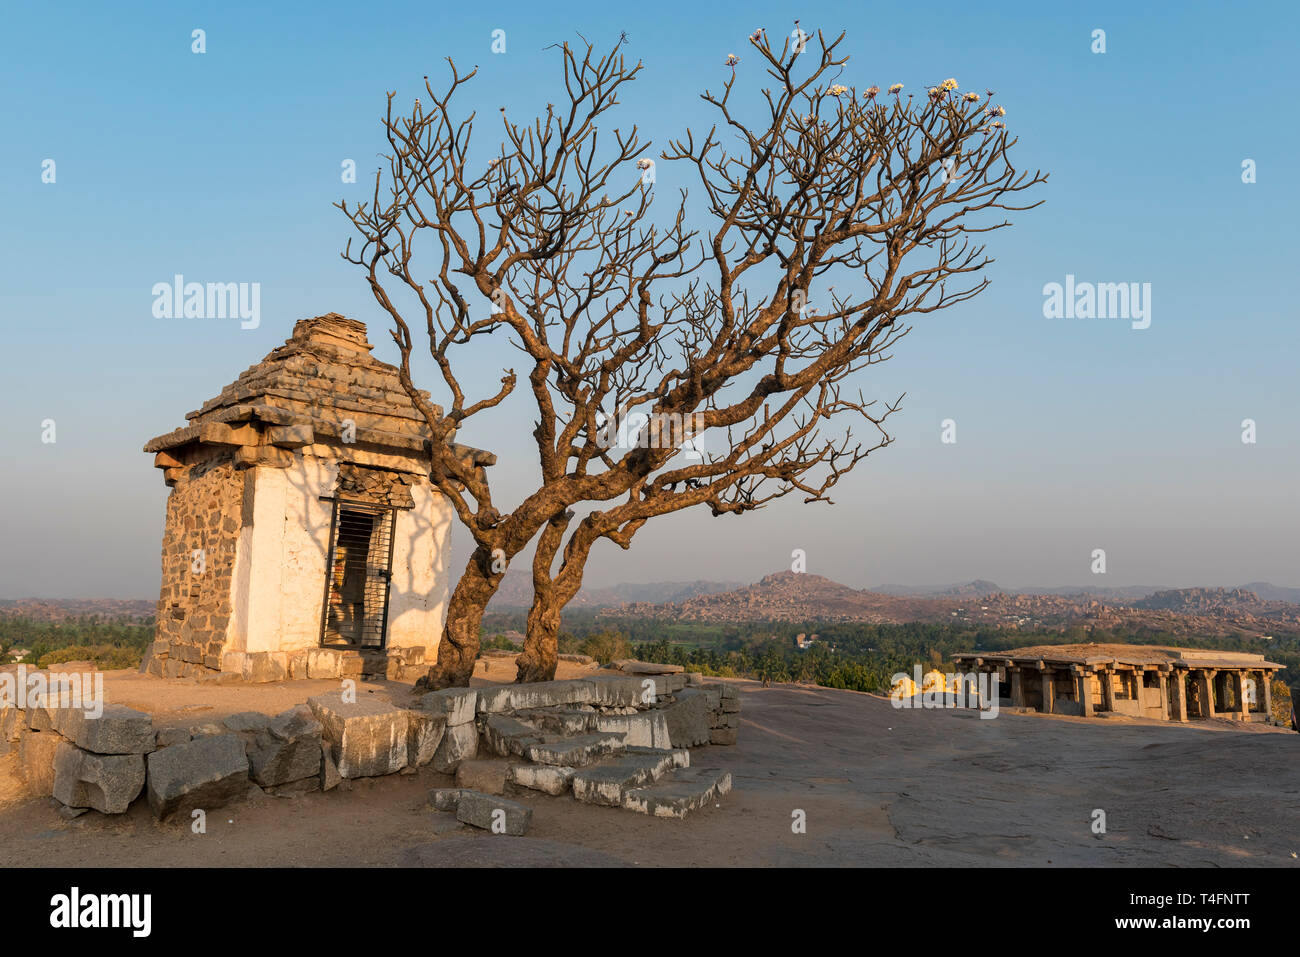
x=611, y=740
x=194, y=606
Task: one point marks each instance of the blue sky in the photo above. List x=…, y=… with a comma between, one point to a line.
x=1072, y=434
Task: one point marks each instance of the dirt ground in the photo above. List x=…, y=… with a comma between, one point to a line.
x=876, y=786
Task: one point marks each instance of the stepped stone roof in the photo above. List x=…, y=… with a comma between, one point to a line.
x=321, y=378
x=1105, y=654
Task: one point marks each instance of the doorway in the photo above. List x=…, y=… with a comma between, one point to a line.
x=357, y=576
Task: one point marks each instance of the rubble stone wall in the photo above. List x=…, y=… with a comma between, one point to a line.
x=194, y=604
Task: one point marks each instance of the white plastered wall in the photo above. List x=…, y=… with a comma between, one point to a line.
x=279, y=579
x=417, y=596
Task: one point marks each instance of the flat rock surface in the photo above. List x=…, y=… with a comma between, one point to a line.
x=880, y=787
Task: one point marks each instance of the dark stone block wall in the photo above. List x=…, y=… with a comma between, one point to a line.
x=204, y=511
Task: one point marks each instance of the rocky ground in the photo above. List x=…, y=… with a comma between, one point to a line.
x=876, y=786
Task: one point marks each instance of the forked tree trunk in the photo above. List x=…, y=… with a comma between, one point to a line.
x=550, y=596
x=460, y=636
x=541, y=637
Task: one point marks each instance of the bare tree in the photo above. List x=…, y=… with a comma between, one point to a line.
x=639, y=359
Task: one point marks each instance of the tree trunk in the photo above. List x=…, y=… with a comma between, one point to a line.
x=460, y=636
x=541, y=647
x=541, y=641
x=551, y=595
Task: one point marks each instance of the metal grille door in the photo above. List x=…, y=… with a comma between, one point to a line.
x=358, y=575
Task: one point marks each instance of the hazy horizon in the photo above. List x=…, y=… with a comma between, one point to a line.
x=593, y=584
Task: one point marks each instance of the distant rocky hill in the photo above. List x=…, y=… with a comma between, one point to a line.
x=963, y=590
x=1209, y=601
x=1125, y=594
x=788, y=596
x=516, y=591
x=1270, y=592
x=793, y=596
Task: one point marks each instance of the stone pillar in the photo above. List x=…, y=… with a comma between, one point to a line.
x=1084, y=684
x=1206, y=685
x=1017, y=687
x=1049, y=690
x=1239, y=689
x=1164, y=697
x=1178, y=694
x=1106, y=676
x=1266, y=693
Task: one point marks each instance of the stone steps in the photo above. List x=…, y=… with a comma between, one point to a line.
x=508, y=737
x=607, y=783
x=576, y=752
x=612, y=741
x=686, y=790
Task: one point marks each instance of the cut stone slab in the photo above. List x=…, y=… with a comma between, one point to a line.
x=323, y=663
x=550, y=778
x=247, y=721
x=36, y=717
x=539, y=694
x=645, y=729
x=677, y=757
x=458, y=704
x=367, y=737
x=169, y=736
x=294, y=788
x=576, y=752
x=688, y=719
x=42, y=704
x=36, y=750
x=609, y=782
x=295, y=724
x=633, y=667
x=263, y=666
x=11, y=720
x=205, y=773
x=445, y=799
x=288, y=750
x=459, y=742
x=119, y=730
x=494, y=814
x=106, y=782
x=622, y=691
x=723, y=736
x=506, y=736
x=666, y=684
x=686, y=790
x=564, y=720
x=423, y=735
x=485, y=775
x=329, y=771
